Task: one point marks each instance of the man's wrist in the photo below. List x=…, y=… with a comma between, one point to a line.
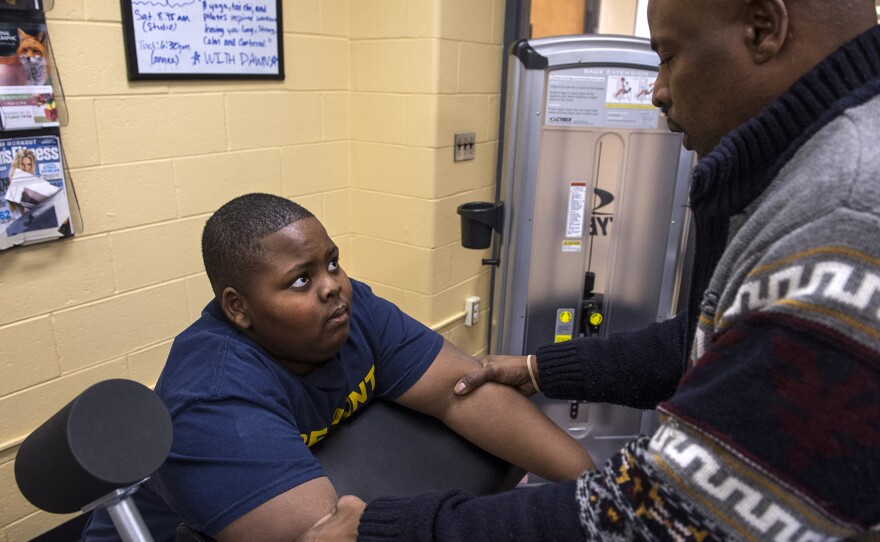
x=533, y=372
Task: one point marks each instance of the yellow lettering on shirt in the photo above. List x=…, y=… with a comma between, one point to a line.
x=316, y=436
x=357, y=398
x=337, y=416
x=353, y=400
x=371, y=378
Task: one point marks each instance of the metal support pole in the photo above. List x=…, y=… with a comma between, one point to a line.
x=123, y=511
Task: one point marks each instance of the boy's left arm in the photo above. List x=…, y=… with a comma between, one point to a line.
x=496, y=418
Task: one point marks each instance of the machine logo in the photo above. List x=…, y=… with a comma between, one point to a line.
x=601, y=220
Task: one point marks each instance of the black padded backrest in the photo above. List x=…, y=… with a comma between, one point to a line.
x=111, y=436
x=391, y=450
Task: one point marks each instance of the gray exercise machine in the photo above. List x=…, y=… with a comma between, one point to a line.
x=590, y=227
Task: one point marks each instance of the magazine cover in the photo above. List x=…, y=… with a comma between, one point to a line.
x=33, y=195
x=27, y=97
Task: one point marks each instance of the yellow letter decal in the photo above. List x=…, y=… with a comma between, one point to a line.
x=354, y=399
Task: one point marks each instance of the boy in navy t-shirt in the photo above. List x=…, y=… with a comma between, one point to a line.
x=289, y=348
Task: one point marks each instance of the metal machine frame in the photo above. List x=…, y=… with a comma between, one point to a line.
x=547, y=274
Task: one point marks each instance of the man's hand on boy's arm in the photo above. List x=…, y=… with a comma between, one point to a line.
x=286, y=517
x=497, y=418
x=510, y=370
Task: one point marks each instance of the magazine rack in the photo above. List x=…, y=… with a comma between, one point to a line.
x=37, y=201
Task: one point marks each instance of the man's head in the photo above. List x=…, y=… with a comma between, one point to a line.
x=276, y=275
x=724, y=61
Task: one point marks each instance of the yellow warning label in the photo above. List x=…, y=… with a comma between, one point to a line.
x=571, y=246
x=629, y=106
x=564, y=328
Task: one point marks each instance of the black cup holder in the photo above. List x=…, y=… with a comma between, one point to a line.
x=478, y=220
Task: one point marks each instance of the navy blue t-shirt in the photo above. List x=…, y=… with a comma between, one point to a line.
x=243, y=423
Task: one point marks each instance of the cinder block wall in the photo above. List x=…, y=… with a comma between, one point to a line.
x=360, y=132
x=422, y=71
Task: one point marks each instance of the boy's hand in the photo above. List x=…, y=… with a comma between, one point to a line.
x=341, y=525
x=510, y=370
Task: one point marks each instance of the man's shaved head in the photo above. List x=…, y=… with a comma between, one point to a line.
x=724, y=61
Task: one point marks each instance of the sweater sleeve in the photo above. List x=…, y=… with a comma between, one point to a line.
x=637, y=368
x=623, y=500
x=544, y=513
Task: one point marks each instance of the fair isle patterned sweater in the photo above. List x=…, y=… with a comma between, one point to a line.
x=773, y=432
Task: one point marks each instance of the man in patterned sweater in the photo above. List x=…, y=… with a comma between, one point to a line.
x=770, y=428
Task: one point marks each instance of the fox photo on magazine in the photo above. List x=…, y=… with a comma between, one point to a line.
x=33, y=195
x=27, y=98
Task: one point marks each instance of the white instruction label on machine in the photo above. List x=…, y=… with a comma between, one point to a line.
x=612, y=97
x=577, y=197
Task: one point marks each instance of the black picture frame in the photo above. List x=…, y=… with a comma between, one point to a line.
x=195, y=40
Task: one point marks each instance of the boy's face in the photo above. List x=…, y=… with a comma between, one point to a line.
x=299, y=299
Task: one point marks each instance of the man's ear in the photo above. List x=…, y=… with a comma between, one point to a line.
x=235, y=307
x=767, y=28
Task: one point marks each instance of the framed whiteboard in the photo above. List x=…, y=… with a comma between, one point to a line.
x=203, y=39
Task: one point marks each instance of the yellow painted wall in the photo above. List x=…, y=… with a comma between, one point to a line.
x=360, y=132
x=618, y=17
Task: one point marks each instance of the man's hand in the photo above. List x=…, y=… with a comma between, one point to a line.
x=510, y=370
x=496, y=415
x=341, y=525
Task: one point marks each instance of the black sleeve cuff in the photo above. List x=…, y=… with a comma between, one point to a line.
x=638, y=368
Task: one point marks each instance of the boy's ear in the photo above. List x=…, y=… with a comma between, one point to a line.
x=235, y=307
x=767, y=28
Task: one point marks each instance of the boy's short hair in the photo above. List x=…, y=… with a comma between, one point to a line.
x=232, y=240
